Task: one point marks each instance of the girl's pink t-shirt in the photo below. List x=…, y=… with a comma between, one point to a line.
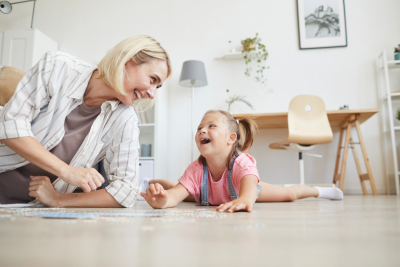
x=218, y=192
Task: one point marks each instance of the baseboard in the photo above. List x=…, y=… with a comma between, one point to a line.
x=355, y=190
x=312, y=185
x=358, y=191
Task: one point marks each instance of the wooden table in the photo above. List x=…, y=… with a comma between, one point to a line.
x=337, y=118
x=340, y=120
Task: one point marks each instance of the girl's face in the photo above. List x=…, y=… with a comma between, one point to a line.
x=213, y=137
x=141, y=81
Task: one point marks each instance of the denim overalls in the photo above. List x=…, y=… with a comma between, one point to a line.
x=232, y=192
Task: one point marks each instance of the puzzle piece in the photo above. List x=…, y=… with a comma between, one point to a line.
x=87, y=215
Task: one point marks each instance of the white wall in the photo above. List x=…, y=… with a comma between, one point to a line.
x=201, y=30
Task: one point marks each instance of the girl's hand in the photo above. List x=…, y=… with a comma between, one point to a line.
x=236, y=205
x=156, y=196
x=41, y=188
x=87, y=178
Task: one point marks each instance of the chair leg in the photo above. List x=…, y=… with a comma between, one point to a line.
x=360, y=174
x=301, y=168
x=345, y=152
x=339, y=152
x=368, y=176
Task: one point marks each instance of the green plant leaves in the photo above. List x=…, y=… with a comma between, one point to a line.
x=259, y=56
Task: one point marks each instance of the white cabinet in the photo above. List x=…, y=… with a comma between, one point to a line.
x=155, y=132
x=23, y=48
x=146, y=169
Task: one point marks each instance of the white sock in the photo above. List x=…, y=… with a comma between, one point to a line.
x=143, y=185
x=329, y=192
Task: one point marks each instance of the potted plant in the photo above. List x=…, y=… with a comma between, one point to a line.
x=235, y=98
x=254, y=50
x=397, y=53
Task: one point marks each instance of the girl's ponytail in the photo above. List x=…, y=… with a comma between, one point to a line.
x=249, y=127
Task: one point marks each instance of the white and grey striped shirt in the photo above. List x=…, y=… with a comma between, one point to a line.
x=43, y=99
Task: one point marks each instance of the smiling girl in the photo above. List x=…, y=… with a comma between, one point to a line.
x=222, y=171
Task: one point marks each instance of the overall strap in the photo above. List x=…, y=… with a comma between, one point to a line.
x=232, y=191
x=204, y=183
x=204, y=187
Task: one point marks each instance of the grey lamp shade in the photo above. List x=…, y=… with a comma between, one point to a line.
x=193, y=74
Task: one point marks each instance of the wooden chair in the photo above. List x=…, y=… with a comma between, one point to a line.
x=9, y=79
x=308, y=126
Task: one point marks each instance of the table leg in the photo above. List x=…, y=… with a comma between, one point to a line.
x=364, y=151
x=339, y=152
x=360, y=174
x=345, y=152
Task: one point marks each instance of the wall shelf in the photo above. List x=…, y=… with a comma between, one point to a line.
x=393, y=64
x=234, y=55
x=395, y=94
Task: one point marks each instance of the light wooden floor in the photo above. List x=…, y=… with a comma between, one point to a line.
x=359, y=231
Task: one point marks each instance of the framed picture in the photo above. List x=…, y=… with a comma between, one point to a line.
x=322, y=23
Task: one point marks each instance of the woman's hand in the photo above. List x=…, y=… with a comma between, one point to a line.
x=236, y=205
x=156, y=196
x=41, y=188
x=87, y=178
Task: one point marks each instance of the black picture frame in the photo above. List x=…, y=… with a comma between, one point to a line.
x=314, y=34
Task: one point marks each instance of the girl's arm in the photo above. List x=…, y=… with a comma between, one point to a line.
x=247, y=196
x=159, y=198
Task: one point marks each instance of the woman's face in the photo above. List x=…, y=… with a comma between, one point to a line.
x=141, y=81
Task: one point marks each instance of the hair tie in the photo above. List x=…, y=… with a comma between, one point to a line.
x=237, y=121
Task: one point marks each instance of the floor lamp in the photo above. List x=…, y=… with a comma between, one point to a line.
x=193, y=75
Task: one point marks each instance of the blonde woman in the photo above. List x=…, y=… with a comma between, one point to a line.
x=66, y=115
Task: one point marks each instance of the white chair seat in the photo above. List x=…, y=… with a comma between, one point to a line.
x=298, y=148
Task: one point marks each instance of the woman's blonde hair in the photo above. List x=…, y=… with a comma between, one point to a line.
x=140, y=49
x=249, y=128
